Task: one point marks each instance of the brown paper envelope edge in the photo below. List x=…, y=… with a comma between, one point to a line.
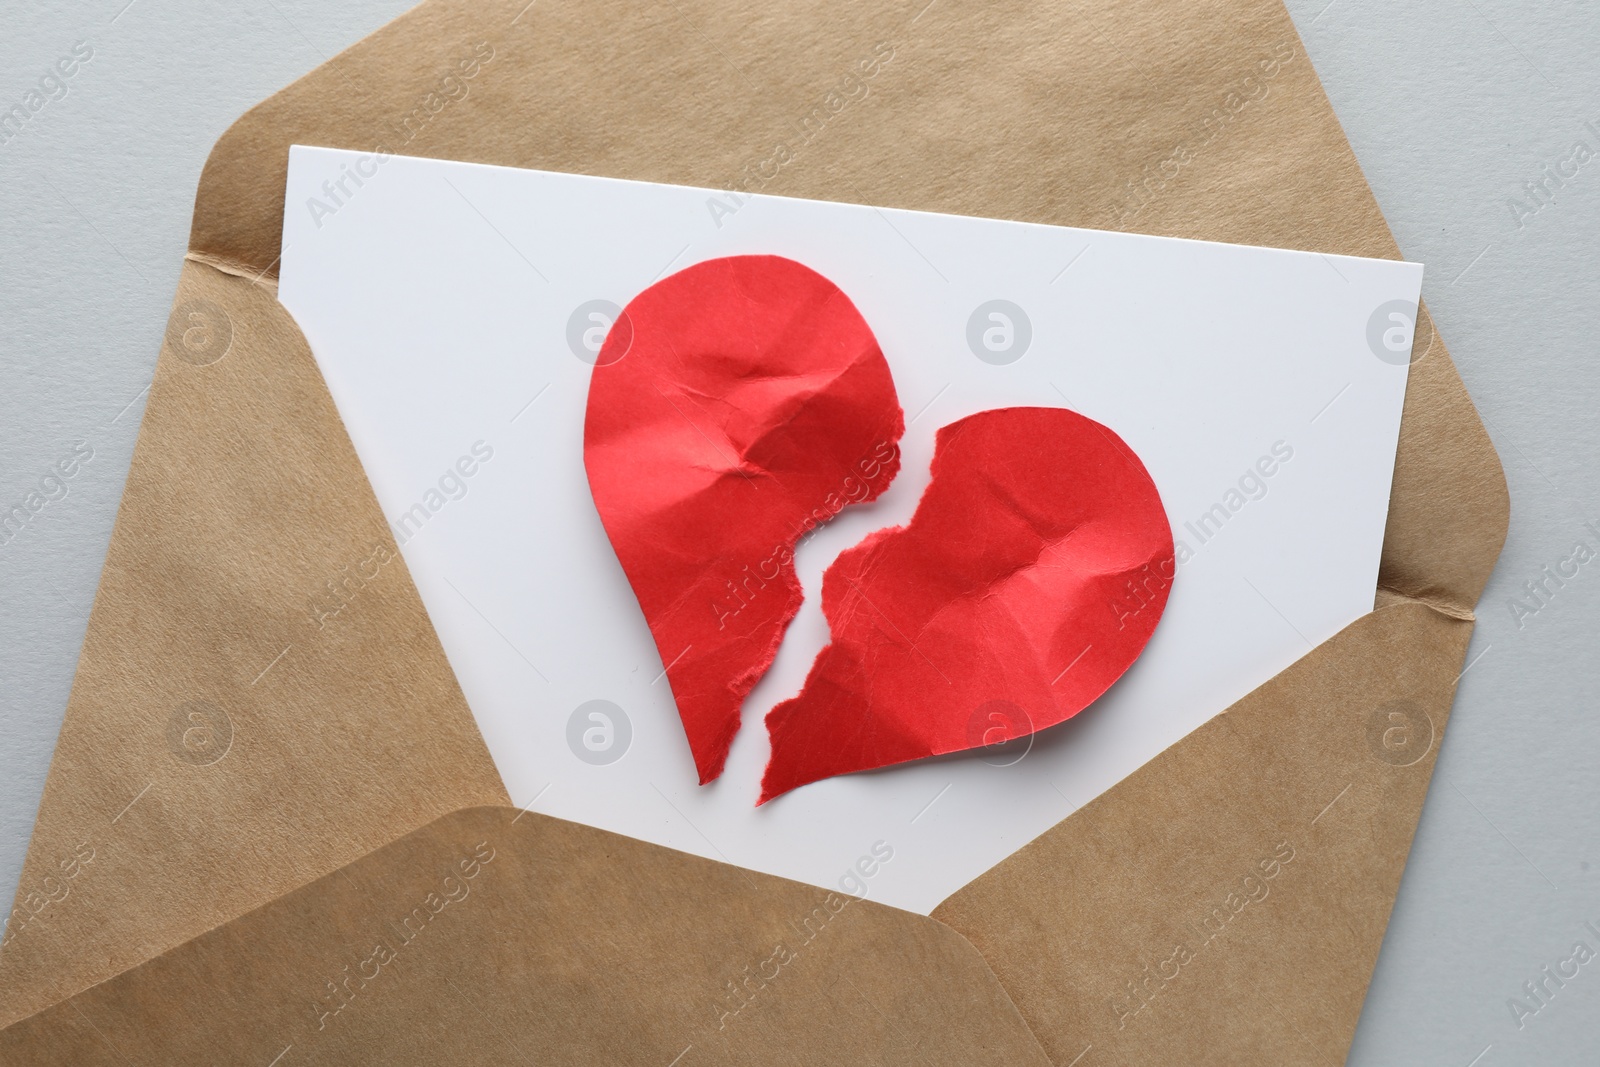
x=1226, y=902
x=1274, y=169
x=454, y=945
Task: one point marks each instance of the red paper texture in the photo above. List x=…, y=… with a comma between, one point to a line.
x=734, y=406
x=1029, y=579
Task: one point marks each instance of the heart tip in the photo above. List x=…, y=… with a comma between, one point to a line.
x=710, y=769
x=770, y=791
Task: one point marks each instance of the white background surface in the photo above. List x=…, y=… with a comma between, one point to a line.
x=437, y=301
x=1450, y=107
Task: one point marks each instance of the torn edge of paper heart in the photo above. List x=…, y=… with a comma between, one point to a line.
x=748, y=405
x=1029, y=579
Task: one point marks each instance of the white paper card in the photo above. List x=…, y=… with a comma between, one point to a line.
x=453, y=308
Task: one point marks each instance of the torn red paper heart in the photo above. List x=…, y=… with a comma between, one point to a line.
x=746, y=403
x=1029, y=579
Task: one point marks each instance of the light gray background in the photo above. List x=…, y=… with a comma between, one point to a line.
x=1452, y=105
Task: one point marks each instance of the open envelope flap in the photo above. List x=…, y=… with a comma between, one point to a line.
x=230, y=735
x=1225, y=903
x=516, y=938
x=1202, y=121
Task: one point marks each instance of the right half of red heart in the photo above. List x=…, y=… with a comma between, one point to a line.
x=1029, y=579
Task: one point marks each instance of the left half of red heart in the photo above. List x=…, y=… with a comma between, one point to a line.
x=746, y=403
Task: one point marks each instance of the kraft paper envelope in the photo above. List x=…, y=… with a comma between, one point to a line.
x=1224, y=904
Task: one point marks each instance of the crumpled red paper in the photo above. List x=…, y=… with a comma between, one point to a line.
x=1029, y=579
x=734, y=406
